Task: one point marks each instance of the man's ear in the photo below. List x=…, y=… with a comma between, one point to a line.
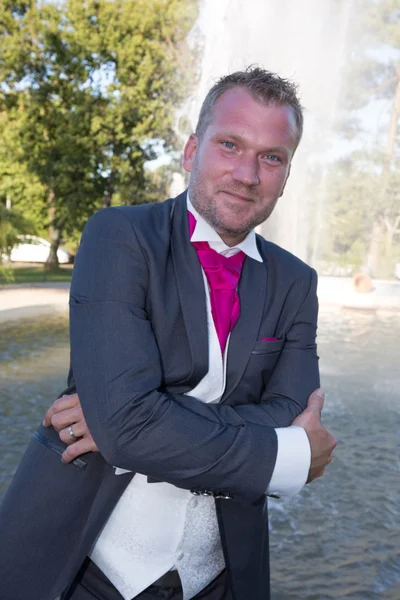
x=189, y=152
x=287, y=177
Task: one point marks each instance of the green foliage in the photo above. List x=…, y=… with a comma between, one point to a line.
x=34, y=275
x=372, y=69
x=12, y=225
x=362, y=209
x=18, y=186
x=89, y=94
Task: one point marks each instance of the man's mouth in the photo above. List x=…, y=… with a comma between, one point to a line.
x=238, y=196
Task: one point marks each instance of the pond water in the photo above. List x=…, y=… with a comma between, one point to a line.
x=340, y=538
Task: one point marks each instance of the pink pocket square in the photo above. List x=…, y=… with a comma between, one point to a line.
x=269, y=339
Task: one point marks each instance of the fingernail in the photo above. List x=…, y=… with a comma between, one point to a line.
x=320, y=392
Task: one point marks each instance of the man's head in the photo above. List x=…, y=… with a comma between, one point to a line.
x=264, y=86
x=249, y=127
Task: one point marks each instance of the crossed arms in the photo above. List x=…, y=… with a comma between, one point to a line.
x=117, y=369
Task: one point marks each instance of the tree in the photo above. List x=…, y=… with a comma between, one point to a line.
x=20, y=190
x=374, y=176
x=17, y=217
x=90, y=90
x=12, y=225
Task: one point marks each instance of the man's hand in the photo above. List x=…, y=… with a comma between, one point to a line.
x=322, y=442
x=66, y=413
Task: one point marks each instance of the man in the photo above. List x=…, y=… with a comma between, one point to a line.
x=193, y=352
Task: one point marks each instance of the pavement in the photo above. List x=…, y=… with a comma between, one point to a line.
x=29, y=300
x=340, y=293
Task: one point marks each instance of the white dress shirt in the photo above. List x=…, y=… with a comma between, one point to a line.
x=156, y=527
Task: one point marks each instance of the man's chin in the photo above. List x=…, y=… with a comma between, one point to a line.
x=230, y=229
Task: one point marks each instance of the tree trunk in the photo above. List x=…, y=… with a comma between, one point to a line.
x=393, y=124
x=375, y=249
x=377, y=260
x=107, y=198
x=390, y=231
x=55, y=237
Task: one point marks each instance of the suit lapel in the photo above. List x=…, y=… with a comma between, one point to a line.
x=252, y=293
x=191, y=291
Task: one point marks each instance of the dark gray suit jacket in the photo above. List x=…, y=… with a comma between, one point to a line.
x=138, y=342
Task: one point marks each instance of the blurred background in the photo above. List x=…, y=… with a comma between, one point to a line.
x=97, y=98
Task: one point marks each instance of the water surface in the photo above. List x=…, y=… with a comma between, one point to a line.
x=340, y=538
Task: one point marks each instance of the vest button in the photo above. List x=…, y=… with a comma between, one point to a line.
x=206, y=493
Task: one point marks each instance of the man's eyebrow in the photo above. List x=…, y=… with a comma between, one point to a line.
x=278, y=149
x=233, y=136
x=238, y=138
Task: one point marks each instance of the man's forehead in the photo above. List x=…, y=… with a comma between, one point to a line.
x=238, y=105
x=239, y=98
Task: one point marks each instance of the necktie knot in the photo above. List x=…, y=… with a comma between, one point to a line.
x=222, y=272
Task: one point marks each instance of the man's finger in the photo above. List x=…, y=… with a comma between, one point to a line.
x=315, y=475
x=80, y=447
x=79, y=429
x=63, y=403
x=63, y=419
x=316, y=400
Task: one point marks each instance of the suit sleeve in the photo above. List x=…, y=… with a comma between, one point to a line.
x=285, y=395
x=296, y=373
x=117, y=370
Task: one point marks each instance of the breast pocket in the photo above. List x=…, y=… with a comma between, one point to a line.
x=260, y=366
x=268, y=348
x=263, y=360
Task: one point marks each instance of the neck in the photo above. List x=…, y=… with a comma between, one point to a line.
x=231, y=240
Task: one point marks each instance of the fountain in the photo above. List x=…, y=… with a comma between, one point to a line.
x=233, y=34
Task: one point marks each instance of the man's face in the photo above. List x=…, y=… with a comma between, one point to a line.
x=240, y=167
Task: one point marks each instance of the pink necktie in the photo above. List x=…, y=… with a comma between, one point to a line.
x=223, y=274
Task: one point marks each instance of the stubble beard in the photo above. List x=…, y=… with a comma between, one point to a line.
x=208, y=209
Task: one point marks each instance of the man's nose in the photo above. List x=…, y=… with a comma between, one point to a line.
x=246, y=171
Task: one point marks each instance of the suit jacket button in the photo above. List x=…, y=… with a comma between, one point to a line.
x=223, y=495
x=206, y=493
x=195, y=492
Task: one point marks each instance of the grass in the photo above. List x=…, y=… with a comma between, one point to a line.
x=34, y=274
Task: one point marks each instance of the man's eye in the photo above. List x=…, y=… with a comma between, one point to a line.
x=272, y=157
x=229, y=145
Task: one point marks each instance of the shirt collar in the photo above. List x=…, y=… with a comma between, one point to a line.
x=205, y=233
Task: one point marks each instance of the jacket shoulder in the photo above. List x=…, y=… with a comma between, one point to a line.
x=147, y=212
x=118, y=222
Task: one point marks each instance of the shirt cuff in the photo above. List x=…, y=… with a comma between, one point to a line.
x=293, y=462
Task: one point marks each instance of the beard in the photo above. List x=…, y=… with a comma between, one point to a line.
x=204, y=202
